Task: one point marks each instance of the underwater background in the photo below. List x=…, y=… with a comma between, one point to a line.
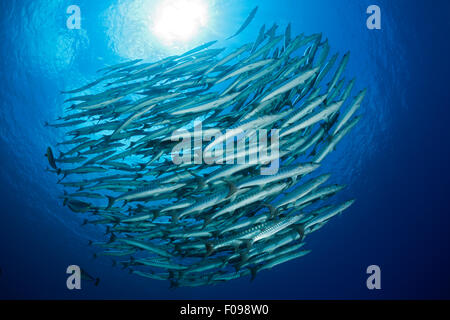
x=395, y=162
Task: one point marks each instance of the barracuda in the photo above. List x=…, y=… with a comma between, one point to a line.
x=303, y=190
x=312, y=119
x=247, y=199
x=145, y=193
x=285, y=173
x=291, y=84
x=191, y=223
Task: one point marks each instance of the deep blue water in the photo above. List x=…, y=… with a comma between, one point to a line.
x=395, y=162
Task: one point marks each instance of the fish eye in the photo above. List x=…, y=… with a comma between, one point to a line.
x=179, y=20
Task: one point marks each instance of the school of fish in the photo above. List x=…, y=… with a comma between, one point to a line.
x=198, y=224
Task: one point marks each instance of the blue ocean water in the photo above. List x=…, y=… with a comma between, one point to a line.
x=395, y=162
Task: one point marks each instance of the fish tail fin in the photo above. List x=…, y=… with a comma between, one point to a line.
x=236, y=247
x=248, y=244
x=177, y=247
x=175, y=218
x=90, y=242
x=201, y=183
x=253, y=272
x=272, y=209
x=206, y=222
x=210, y=279
x=301, y=232
x=111, y=201
x=97, y=281
x=158, y=173
x=215, y=233
x=244, y=257
x=46, y=124
x=224, y=263
x=232, y=188
x=112, y=238
x=132, y=143
x=94, y=256
x=85, y=222
x=114, y=263
x=209, y=249
x=243, y=260
x=156, y=215
x=174, y=284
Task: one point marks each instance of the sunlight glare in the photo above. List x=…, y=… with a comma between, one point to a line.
x=179, y=20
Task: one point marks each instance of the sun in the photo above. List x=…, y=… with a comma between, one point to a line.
x=180, y=20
